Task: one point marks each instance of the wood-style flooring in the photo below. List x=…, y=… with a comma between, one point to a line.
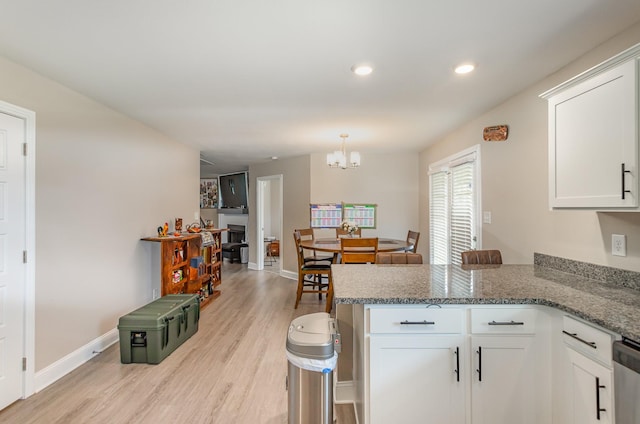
x=232, y=371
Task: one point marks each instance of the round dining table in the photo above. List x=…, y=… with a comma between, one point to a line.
x=332, y=245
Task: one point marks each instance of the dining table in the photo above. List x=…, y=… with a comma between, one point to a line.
x=332, y=245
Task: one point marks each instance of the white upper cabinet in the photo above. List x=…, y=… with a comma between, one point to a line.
x=593, y=137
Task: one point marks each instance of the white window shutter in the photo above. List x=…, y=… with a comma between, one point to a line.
x=462, y=210
x=439, y=218
x=453, y=207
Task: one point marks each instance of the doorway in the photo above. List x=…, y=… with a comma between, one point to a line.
x=17, y=252
x=269, y=225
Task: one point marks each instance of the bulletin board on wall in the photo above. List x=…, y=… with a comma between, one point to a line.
x=326, y=215
x=208, y=193
x=363, y=214
x=331, y=215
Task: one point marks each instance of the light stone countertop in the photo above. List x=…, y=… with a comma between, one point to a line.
x=610, y=306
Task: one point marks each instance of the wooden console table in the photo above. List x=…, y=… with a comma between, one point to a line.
x=175, y=264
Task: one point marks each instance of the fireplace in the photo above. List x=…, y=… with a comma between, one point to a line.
x=235, y=234
x=232, y=249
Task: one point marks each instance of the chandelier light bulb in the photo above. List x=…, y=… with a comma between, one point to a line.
x=338, y=159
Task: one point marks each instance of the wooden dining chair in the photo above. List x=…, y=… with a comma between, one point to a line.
x=343, y=233
x=398, y=258
x=481, y=257
x=359, y=250
x=412, y=238
x=312, y=275
x=311, y=255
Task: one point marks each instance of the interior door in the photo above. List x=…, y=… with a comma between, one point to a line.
x=12, y=267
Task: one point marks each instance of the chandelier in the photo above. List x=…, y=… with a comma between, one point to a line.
x=338, y=159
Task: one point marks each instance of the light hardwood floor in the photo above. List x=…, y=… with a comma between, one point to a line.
x=232, y=370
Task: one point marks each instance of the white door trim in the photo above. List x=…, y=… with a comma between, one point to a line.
x=260, y=219
x=260, y=224
x=29, y=118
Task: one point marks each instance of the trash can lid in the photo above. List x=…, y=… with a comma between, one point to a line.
x=311, y=336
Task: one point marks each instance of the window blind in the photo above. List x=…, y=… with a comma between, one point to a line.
x=462, y=210
x=439, y=220
x=452, y=209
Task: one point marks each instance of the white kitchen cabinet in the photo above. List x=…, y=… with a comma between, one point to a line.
x=503, y=388
x=593, y=137
x=424, y=365
x=591, y=384
x=509, y=370
x=585, y=374
x=415, y=358
x=416, y=378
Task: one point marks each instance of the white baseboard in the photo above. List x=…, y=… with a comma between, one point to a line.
x=345, y=392
x=283, y=273
x=289, y=274
x=64, y=366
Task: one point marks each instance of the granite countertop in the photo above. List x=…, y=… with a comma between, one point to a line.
x=611, y=306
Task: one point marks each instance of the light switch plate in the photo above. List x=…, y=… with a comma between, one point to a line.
x=486, y=217
x=618, y=245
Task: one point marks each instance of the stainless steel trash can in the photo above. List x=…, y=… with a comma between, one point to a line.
x=244, y=254
x=313, y=343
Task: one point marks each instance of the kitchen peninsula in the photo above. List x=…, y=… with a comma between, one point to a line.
x=505, y=343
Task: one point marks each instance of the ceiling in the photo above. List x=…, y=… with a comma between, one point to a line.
x=246, y=80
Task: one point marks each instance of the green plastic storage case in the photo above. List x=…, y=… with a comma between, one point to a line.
x=149, y=334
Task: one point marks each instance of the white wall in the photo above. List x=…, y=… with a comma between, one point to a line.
x=101, y=185
x=515, y=181
x=273, y=210
x=389, y=180
x=295, y=199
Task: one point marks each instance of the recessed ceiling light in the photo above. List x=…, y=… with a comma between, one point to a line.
x=465, y=68
x=361, y=70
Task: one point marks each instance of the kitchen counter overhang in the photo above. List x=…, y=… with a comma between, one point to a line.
x=608, y=305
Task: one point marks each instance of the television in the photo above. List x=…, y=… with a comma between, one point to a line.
x=233, y=190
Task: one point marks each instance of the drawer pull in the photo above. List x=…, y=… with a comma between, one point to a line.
x=598, y=409
x=512, y=322
x=624, y=190
x=457, y=370
x=575, y=336
x=425, y=322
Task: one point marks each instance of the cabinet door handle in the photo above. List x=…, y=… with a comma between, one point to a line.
x=598, y=409
x=457, y=370
x=479, y=369
x=624, y=171
x=575, y=336
x=425, y=322
x=512, y=322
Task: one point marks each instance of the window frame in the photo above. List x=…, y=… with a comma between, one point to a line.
x=469, y=155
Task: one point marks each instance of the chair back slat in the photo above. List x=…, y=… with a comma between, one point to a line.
x=412, y=238
x=359, y=250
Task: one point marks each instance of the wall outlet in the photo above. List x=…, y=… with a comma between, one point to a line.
x=156, y=294
x=486, y=217
x=618, y=245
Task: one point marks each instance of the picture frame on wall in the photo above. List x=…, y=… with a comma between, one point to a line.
x=208, y=193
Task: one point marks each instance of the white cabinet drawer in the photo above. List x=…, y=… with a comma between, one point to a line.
x=589, y=340
x=503, y=321
x=421, y=320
